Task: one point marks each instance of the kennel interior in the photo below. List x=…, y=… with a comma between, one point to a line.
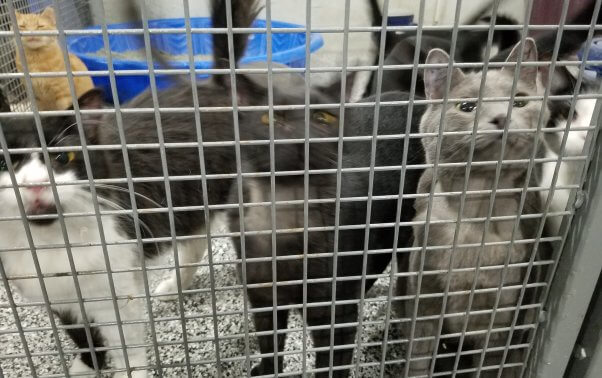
x=208, y=330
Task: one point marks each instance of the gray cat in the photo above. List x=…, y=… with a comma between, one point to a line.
x=437, y=261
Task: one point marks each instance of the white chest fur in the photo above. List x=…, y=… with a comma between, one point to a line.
x=55, y=261
x=569, y=172
x=90, y=264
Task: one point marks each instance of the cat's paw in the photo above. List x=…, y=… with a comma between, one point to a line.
x=419, y=372
x=264, y=368
x=79, y=368
x=257, y=370
x=167, y=286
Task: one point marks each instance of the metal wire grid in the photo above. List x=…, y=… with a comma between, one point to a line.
x=389, y=318
x=74, y=14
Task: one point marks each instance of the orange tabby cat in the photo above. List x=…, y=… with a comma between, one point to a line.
x=44, y=54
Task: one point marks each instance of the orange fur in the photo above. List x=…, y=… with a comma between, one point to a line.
x=43, y=54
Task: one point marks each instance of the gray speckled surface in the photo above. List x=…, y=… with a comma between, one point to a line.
x=202, y=354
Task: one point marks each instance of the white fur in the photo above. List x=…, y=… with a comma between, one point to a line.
x=569, y=171
x=189, y=251
x=55, y=260
x=79, y=368
x=495, y=49
x=81, y=230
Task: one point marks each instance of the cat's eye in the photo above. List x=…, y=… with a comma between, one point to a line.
x=278, y=118
x=466, y=106
x=3, y=166
x=324, y=117
x=265, y=119
x=520, y=103
x=65, y=157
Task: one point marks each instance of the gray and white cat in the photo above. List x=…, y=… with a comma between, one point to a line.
x=437, y=258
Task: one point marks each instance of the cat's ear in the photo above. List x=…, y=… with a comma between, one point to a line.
x=93, y=99
x=435, y=78
x=48, y=12
x=528, y=74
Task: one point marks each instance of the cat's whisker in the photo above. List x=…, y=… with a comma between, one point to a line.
x=61, y=140
x=61, y=134
x=93, y=122
x=120, y=189
x=116, y=206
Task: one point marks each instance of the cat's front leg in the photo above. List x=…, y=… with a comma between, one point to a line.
x=189, y=252
x=425, y=330
x=343, y=336
x=86, y=362
x=134, y=335
x=79, y=368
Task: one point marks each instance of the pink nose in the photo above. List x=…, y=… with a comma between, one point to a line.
x=36, y=189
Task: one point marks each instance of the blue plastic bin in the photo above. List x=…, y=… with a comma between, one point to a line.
x=595, y=53
x=287, y=48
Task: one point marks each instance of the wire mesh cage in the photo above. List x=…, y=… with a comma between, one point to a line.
x=185, y=197
x=75, y=14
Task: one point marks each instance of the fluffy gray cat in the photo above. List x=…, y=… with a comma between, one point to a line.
x=439, y=257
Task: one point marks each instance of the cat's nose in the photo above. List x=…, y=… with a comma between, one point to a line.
x=499, y=121
x=36, y=189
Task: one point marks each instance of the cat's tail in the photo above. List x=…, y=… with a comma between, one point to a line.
x=243, y=13
x=377, y=16
x=377, y=20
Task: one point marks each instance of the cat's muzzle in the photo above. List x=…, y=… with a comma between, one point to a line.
x=39, y=208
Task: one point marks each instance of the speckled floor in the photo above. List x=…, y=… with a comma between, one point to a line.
x=201, y=352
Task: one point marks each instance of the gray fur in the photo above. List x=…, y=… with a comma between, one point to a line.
x=487, y=148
